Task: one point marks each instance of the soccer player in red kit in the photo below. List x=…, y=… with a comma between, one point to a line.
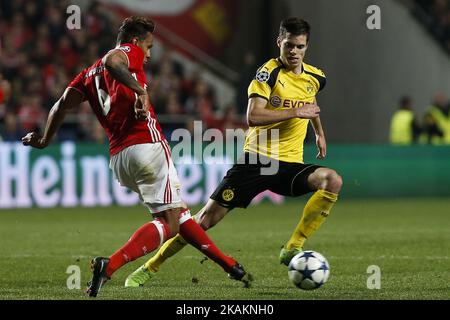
x=115, y=87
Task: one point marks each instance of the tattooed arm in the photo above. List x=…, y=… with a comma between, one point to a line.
x=117, y=65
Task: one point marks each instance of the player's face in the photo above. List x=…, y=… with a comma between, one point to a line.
x=292, y=49
x=146, y=46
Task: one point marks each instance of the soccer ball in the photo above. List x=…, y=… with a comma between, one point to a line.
x=308, y=270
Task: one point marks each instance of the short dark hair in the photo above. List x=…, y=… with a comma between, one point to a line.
x=135, y=27
x=295, y=26
x=405, y=102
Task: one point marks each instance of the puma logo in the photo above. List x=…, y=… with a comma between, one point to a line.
x=282, y=83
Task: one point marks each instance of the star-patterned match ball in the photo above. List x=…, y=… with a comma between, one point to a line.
x=308, y=270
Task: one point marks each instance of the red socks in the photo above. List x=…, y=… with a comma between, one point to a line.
x=146, y=239
x=196, y=236
x=151, y=235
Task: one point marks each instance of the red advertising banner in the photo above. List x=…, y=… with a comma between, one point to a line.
x=207, y=25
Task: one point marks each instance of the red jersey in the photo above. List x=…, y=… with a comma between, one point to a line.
x=113, y=102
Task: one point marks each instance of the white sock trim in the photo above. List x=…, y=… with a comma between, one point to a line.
x=184, y=216
x=159, y=226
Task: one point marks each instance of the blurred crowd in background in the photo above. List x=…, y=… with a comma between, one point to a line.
x=39, y=57
x=435, y=14
x=431, y=128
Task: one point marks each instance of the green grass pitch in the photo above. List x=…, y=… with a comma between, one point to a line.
x=408, y=239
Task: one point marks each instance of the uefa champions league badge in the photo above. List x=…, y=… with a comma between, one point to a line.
x=262, y=76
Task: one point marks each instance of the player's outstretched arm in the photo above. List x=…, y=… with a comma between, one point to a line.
x=70, y=99
x=258, y=115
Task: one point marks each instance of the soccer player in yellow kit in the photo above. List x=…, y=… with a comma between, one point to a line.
x=282, y=101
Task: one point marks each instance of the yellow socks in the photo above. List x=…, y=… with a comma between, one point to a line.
x=168, y=249
x=315, y=212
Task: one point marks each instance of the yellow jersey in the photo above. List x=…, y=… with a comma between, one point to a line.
x=283, y=89
x=401, y=131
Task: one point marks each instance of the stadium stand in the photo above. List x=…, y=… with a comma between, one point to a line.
x=39, y=56
x=435, y=15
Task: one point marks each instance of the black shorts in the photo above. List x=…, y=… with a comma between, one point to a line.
x=245, y=180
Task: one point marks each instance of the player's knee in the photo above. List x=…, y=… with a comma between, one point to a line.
x=172, y=219
x=173, y=230
x=333, y=181
x=206, y=223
